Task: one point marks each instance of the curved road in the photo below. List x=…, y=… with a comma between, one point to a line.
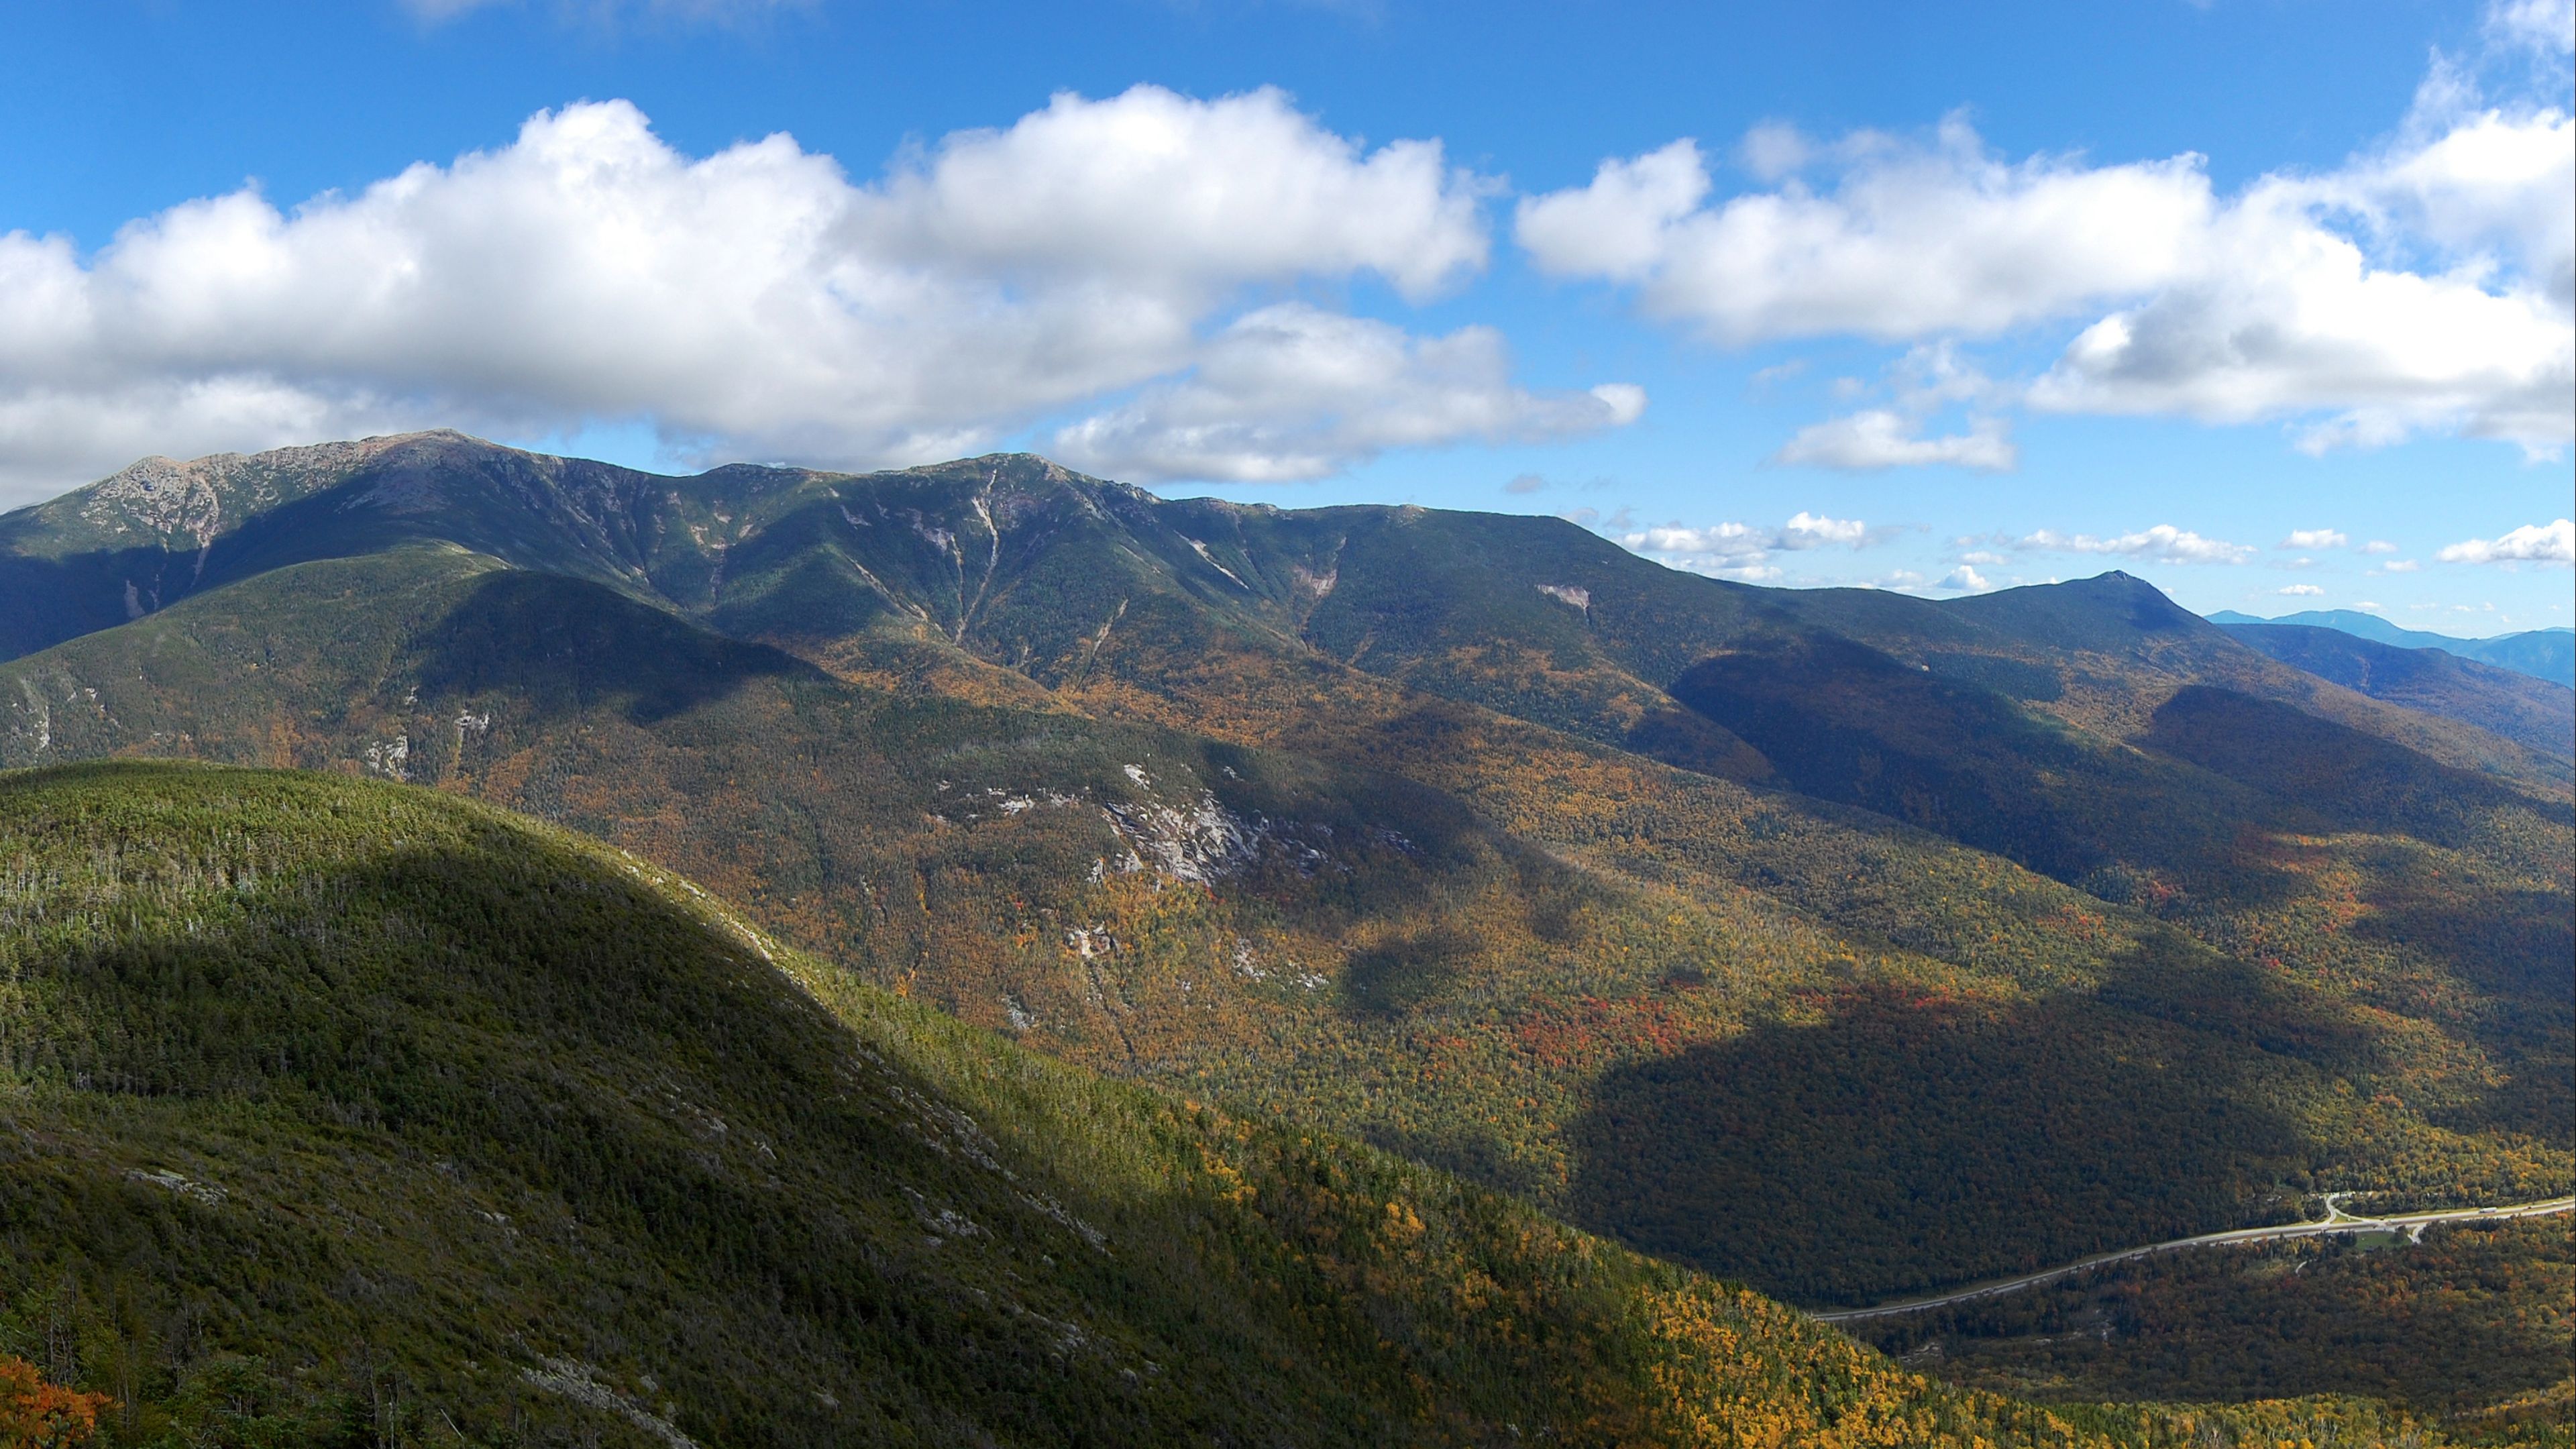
x=2336, y=1221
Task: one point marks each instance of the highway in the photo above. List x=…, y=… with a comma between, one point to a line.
x=2335, y=1221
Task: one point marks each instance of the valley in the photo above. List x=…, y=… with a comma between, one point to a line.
x=2338, y=1223
x=1963, y=939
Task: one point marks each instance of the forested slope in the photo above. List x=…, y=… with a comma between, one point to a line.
x=333, y=1100
x=338, y=1113
x=1636, y=893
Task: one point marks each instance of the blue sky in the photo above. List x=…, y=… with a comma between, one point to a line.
x=2265, y=300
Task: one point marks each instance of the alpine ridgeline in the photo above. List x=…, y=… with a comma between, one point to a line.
x=1845, y=943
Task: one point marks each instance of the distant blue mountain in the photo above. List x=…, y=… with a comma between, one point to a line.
x=2353, y=621
x=2541, y=653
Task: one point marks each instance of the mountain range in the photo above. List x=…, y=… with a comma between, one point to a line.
x=2548, y=654
x=1839, y=943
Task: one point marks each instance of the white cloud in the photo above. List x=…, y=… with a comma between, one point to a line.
x=1290, y=392
x=1911, y=242
x=759, y=302
x=1165, y=191
x=2546, y=26
x=1744, y=552
x=1807, y=530
x=1965, y=579
x=2300, y=591
x=1619, y=226
x=2394, y=566
x=2424, y=287
x=2301, y=324
x=1882, y=438
x=1923, y=381
x=1982, y=556
x=1725, y=540
x=2378, y=546
x=2163, y=543
x=1775, y=149
x=2314, y=538
x=2480, y=182
x=2531, y=543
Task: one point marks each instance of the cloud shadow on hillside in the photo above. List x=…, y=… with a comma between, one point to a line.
x=1907, y=1142
x=563, y=646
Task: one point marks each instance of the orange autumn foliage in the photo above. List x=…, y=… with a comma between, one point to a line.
x=38, y=1415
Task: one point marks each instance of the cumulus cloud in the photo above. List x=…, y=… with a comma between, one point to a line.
x=1291, y=392
x=2545, y=26
x=2314, y=538
x=1724, y=540
x=2378, y=546
x=1163, y=191
x=2531, y=543
x=1911, y=242
x=1921, y=383
x=1620, y=226
x=2300, y=323
x=1747, y=553
x=759, y=301
x=1882, y=438
x=2163, y=543
x=1964, y=579
x=2425, y=286
x=2300, y=591
x=1807, y=530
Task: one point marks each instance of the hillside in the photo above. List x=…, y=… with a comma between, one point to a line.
x=2368, y=1315
x=341, y=1112
x=1368, y=956
x=1639, y=894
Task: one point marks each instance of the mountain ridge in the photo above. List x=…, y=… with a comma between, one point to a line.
x=826, y=564
x=2548, y=654
x=1621, y=861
